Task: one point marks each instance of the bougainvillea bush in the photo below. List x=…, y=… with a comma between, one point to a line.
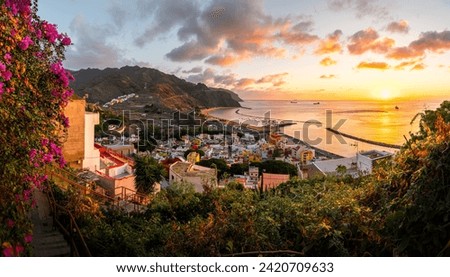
x=34, y=89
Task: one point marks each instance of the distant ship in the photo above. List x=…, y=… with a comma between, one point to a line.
x=396, y=107
x=316, y=103
x=294, y=101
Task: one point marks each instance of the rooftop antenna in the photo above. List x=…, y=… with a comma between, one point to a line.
x=355, y=144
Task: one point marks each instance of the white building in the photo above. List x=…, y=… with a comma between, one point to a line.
x=368, y=159
x=362, y=163
x=253, y=177
x=328, y=167
x=91, y=159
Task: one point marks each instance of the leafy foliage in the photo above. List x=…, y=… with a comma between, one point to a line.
x=33, y=93
x=402, y=209
x=148, y=171
x=220, y=164
x=277, y=167
x=429, y=118
x=417, y=211
x=238, y=169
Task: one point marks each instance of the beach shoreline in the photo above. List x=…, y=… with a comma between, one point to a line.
x=319, y=151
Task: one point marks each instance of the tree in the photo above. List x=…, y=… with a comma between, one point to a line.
x=220, y=164
x=238, y=169
x=34, y=89
x=277, y=153
x=276, y=167
x=428, y=120
x=148, y=171
x=418, y=191
x=341, y=170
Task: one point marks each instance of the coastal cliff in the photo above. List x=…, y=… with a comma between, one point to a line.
x=150, y=88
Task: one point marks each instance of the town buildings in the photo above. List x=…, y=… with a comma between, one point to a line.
x=114, y=166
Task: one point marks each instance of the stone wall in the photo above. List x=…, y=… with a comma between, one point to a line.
x=73, y=148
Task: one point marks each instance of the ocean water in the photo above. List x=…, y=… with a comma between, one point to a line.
x=377, y=121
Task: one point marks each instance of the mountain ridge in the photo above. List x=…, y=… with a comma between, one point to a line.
x=153, y=90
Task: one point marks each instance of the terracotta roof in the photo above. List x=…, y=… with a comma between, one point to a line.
x=273, y=180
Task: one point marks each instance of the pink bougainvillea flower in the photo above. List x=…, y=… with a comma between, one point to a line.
x=65, y=121
x=27, y=194
x=51, y=33
x=28, y=238
x=67, y=94
x=62, y=74
x=66, y=41
x=6, y=75
x=56, y=68
x=47, y=158
x=32, y=154
x=16, y=6
x=44, y=142
x=19, y=249
x=39, y=34
x=56, y=150
x=25, y=43
x=62, y=162
x=7, y=57
x=55, y=93
x=29, y=46
x=39, y=55
x=8, y=252
x=10, y=223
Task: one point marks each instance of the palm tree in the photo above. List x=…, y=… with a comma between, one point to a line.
x=148, y=171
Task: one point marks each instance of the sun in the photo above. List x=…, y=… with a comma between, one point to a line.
x=385, y=94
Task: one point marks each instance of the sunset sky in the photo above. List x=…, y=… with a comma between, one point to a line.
x=309, y=49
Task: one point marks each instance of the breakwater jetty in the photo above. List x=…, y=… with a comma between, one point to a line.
x=383, y=144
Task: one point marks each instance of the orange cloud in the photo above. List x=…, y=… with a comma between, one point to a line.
x=231, y=81
x=298, y=38
x=373, y=65
x=330, y=44
x=245, y=82
x=432, y=41
x=412, y=65
x=225, y=32
x=403, y=65
x=223, y=60
x=435, y=42
x=328, y=61
x=419, y=66
x=401, y=26
x=369, y=40
x=400, y=53
x=275, y=79
x=330, y=76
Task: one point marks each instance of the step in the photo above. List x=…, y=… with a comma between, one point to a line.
x=52, y=252
x=47, y=240
x=50, y=238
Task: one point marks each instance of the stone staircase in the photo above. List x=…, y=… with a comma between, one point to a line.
x=47, y=240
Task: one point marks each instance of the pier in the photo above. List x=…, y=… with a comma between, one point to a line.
x=383, y=144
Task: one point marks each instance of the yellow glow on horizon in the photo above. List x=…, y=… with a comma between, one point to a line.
x=385, y=94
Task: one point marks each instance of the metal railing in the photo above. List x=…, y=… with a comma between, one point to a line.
x=72, y=233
